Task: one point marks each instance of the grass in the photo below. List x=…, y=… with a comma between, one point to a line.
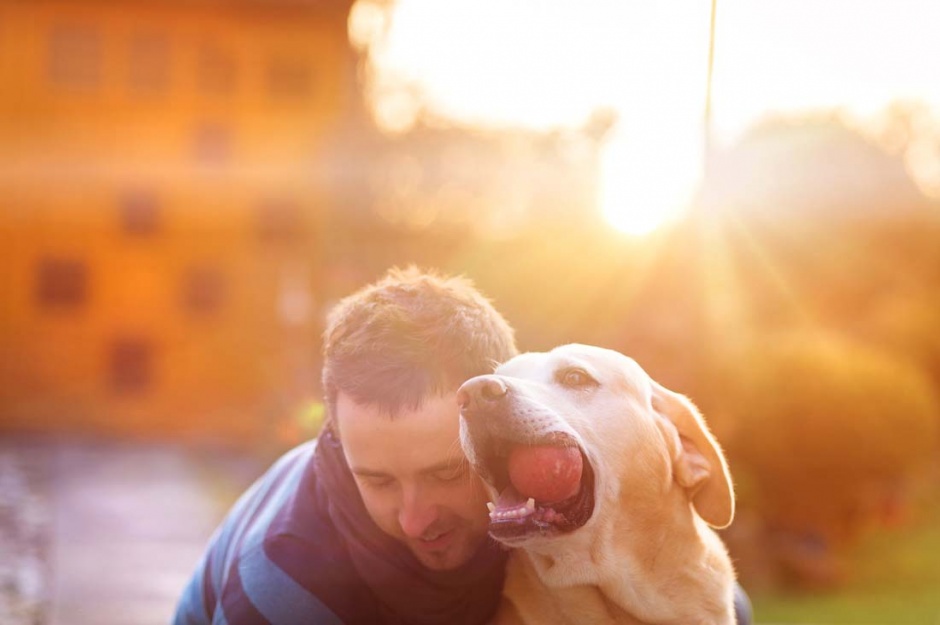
x=895, y=581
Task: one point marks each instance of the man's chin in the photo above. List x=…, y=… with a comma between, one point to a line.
x=437, y=563
x=446, y=558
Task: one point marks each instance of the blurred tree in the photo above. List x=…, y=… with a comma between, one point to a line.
x=830, y=431
x=813, y=224
x=559, y=283
x=907, y=325
x=911, y=129
x=814, y=166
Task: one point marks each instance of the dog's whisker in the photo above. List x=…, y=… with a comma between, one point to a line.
x=461, y=464
x=573, y=473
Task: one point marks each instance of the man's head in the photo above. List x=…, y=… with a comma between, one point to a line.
x=395, y=353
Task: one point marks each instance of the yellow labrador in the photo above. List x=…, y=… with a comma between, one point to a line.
x=633, y=544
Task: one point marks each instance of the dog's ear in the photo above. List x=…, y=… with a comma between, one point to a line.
x=699, y=465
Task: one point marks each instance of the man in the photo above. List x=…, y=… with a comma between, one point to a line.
x=378, y=520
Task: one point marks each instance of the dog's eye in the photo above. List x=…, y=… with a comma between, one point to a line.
x=576, y=378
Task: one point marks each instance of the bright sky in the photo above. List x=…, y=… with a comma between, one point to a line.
x=543, y=63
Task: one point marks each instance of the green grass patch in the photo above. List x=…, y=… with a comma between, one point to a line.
x=895, y=580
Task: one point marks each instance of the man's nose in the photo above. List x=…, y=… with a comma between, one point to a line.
x=416, y=513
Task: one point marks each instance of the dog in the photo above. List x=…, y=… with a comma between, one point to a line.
x=635, y=543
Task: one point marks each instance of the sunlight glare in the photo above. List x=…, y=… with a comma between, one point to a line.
x=792, y=56
x=642, y=190
x=544, y=66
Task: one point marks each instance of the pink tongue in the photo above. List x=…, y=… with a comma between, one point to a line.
x=547, y=473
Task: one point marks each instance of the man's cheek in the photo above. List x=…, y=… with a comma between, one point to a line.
x=376, y=510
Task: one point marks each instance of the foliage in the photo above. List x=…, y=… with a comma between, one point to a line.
x=830, y=430
x=896, y=574
x=304, y=424
x=908, y=326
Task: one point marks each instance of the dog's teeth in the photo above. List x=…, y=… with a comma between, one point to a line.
x=518, y=512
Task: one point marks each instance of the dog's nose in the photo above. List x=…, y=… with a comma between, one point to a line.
x=481, y=390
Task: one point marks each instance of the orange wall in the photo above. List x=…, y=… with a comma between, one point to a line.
x=73, y=149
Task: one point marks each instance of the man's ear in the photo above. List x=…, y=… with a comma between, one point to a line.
x=699, y=466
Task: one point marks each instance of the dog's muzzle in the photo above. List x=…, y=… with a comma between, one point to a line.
x=496, y=418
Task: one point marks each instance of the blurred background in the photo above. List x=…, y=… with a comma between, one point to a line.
x=744, y=197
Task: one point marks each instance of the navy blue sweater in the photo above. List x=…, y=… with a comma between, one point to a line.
x=243, y=577
x=278, y=559
x=299, y=547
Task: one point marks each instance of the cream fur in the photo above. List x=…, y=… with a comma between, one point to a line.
x=646, y=555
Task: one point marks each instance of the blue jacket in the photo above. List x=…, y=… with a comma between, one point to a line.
x=277, y=527
x=278, y=559
x=299, y=547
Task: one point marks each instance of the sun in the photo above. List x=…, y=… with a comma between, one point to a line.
x=643, y=61
x=643, y=188
x=545, y=65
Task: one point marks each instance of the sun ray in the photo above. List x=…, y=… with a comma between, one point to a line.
x=723, y=275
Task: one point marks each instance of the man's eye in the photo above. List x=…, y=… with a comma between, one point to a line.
x=576, y=378
x=378, y=483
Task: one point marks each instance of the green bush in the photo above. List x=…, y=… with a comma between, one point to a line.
x=830, y=430
x=908, y=325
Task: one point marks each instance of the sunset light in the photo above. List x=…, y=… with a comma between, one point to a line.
x=547, y=65
x=709, y=228
x=636, y=203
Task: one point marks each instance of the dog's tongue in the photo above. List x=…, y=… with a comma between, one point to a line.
x=547, y=473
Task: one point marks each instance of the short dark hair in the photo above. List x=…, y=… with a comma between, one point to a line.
x=408, y=336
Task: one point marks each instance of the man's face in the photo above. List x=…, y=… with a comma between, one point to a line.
x=414, y=479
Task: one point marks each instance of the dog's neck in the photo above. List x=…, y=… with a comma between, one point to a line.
x=649, y=567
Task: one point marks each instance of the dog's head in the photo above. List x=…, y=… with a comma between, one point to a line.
x=638, y=441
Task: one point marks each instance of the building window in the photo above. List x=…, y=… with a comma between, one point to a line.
x=139, y=214
x=215, y=71
x=61, y=283
x=203, y=290
x=280, y=222
x=289, y=78
x=130, y=364
x=149, y=63
x=75, y=58
x=212, y=143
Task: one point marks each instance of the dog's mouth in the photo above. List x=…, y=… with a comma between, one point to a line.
x=514, y=516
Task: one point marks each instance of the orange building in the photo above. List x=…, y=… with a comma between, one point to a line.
x=160, y=168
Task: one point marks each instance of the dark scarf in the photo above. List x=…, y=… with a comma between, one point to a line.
x=407, y=591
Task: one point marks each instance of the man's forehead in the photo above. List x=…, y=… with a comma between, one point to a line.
x=415, y=439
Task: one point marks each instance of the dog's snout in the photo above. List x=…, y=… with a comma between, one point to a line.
x=480, y=391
